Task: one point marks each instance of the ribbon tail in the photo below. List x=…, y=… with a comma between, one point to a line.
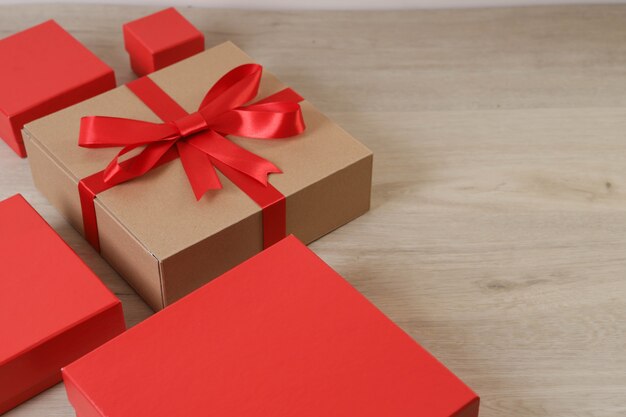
x=199, y=169
x=236, y=157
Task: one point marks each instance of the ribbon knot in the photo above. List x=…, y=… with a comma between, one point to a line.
x=223, y=111
x=190, y=124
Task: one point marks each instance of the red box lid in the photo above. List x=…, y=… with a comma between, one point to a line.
x=45, y=69
x=162, y=30
x=161, y=39
x=281, y=335
x=53, y=309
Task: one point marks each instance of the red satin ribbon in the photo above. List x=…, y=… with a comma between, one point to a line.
x=198, y=139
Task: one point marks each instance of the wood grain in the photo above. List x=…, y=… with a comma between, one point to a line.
x=497, y=236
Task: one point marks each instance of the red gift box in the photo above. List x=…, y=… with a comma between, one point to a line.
x=160, y=39
x=281, y=335
x=53, y=309
x=44, y=69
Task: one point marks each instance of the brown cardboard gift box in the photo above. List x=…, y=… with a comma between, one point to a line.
x=152, y=230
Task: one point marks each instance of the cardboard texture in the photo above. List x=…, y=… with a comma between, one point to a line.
x=53, y=309
x=152, y=229
x=280, y=335
x=160, y=39
x=45, y=69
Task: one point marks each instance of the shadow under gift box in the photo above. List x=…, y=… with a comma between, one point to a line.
x=53, y=309
x=280, y=335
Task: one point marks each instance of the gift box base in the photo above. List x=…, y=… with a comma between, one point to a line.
x=155, y=233
x=162, y=282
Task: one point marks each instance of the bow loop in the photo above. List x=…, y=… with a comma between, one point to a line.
x=274, y=120
x=107, y=132
x=234, y=89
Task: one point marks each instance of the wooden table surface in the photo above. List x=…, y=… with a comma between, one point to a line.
x=497, y=235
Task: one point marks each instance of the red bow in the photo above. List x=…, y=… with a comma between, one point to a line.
x=198, y=138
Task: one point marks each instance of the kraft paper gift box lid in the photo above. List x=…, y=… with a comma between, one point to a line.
x=53, y=309
x=160, y=39
x=45, y=69
x=280, y=335
x=152, y=229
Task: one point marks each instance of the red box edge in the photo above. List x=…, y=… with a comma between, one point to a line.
x=111, y=314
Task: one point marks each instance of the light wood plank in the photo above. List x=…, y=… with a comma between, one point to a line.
x=497, y=236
